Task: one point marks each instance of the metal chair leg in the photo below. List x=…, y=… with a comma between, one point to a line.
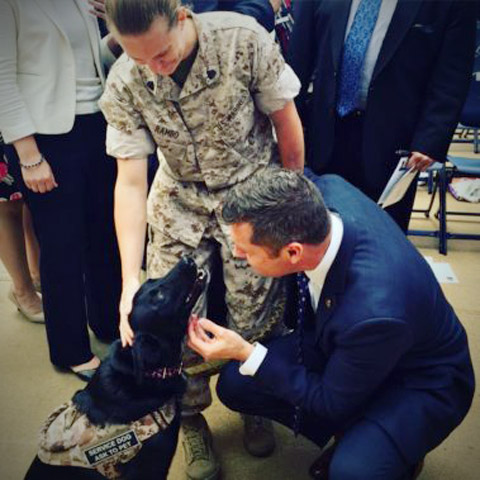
x=442, y=217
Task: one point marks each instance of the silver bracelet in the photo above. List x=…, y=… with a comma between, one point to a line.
x=26, y=166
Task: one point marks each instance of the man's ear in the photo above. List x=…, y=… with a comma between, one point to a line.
x=293, y=252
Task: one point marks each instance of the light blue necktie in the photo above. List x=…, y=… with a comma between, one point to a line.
x=354, y=51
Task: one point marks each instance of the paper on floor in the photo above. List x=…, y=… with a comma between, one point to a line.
x=442, y=271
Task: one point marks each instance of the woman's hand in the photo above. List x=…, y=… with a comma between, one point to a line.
x=36, y=171
x=129, y=290
x=39, y=179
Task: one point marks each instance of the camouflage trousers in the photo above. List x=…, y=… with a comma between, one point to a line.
x=255, y=304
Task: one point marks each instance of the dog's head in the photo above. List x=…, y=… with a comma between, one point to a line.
x=159, y=318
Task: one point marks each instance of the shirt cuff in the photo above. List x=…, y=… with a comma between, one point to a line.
x=253, y=362
x=120, y=144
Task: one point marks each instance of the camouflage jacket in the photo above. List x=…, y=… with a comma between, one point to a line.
x=68, y=438
x=212, y=133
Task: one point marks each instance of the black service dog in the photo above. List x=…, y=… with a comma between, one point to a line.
x=125, y=423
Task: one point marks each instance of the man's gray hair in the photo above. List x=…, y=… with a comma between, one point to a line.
x=282, y=206
x=134, y=17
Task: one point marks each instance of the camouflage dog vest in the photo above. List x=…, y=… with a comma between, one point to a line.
x=68, y=438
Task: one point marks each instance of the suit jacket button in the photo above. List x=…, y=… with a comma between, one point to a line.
x=328, y=303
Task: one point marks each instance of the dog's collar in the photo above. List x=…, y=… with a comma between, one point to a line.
x=165, y=372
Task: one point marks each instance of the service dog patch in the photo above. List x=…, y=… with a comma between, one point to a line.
x=105, y=450
x=69, y=438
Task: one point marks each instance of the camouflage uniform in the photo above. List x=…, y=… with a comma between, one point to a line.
x=69, y=439
x=212, y=133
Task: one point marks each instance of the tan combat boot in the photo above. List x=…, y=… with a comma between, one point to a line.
x=200, y=458
x=258, y=436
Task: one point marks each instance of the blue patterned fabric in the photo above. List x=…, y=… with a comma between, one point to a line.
x=303, y=298
x=354, y=51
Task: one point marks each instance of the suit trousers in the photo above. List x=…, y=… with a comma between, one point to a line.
x=79, y=259
x=364, y=452
x=348, y=162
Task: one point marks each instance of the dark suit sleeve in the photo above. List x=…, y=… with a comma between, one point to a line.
x=302, y=50
x=261, y=10
x=449, y=83
x=362, y=359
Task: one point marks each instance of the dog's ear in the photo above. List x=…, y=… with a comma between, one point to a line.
x=146, y=352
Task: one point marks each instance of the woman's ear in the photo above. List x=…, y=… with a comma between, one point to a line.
x=181, y=16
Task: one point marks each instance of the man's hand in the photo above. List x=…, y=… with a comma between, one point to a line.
x=128, y=292
x=419, y=161
x=97, y=8
x=213, y=342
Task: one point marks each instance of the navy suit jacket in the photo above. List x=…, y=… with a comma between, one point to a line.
x=394, y=351
x=417, y=91
x=261, y=10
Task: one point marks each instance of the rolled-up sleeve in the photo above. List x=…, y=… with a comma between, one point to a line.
x=274, y=82
x=127, y=134
x=120, y=144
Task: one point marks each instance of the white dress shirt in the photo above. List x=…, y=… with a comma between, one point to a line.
x=383, y=22
x=317, y=278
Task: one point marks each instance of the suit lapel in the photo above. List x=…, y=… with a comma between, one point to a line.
x=49, y=9
x=336, y=280
x=402, y=19
x=340, y=11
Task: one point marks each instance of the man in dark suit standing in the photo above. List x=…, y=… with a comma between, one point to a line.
x=383, y=363
x=387, y=75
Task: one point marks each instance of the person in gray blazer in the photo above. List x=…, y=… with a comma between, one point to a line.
x=51, y=76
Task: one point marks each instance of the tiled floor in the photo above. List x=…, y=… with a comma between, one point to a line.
x=31, y=388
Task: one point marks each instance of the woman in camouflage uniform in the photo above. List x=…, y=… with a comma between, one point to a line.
x=204, y=89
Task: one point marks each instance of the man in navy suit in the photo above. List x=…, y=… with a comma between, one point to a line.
x=383, y=363
x=387, y=76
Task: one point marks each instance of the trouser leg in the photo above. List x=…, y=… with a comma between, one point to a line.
x=245, y=394
x=162, y=255
x=59, y=221
x=102, y=270
x=366, y=452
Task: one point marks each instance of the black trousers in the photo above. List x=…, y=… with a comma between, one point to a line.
x=348, y=163
x=79, y=260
